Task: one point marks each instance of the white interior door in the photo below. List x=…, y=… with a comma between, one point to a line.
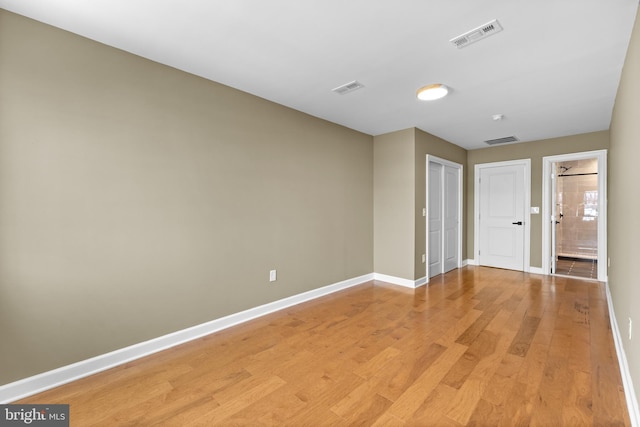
x=451, y=218
x=435, y=218
x=502, y=216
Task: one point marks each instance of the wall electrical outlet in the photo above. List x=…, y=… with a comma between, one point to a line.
x=424, y=258
x=630, y=328
x=272, y=276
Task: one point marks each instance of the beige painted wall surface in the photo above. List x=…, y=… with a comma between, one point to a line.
x=624, y=205
x=535, y=151
x=394, y=204
x=138, y=200
x=426, y=143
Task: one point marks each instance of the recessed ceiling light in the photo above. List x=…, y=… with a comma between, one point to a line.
x=432, y=92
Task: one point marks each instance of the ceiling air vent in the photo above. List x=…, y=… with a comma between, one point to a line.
x=349, y=87
x=482, y=32
x=501, y=140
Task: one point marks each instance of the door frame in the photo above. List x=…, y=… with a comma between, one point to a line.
x=459, y=167
x=547, y=190
x=527, y=208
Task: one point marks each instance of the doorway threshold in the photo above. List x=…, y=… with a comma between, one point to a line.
x=577, y=267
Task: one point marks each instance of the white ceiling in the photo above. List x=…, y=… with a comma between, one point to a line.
x=553, y=71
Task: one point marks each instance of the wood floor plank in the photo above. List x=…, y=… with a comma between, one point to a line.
x=477, y=346
x=251, y=392
x=475, y=329
x=320, y=393
x=554, y=386
x=432, y=410
x=375, y=364
x=388, y=420
x=524, y=393
x=409, y=401
x=503, y=380
x=481, y=347
x=577, y=409
x=463, y=404
x=453, y=329
x=522, y=341
x=363, y=404
x=397, y=377
x=486, y=414
x=271, y=410
x=487, y=297
x=518, y=406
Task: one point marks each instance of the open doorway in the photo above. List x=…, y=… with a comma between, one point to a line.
x=576, y=218
x=574, y=209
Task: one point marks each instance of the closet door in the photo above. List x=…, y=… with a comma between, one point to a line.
x=451, y=220
x=435, y=218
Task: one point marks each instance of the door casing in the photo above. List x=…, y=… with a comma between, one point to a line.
x=548, y=186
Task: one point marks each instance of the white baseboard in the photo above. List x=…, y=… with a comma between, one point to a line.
x=400, y=281
x=627, y=382
x=47, y=380
x=421, y=282
x=534, y=270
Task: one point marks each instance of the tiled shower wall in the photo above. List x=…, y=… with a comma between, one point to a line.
x=577, y=200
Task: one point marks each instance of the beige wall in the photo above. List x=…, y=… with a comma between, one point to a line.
x=624, y=205
x=535, y=151
x=399, y=197
x=138, y=200
x=430, y=144
x=394, y=201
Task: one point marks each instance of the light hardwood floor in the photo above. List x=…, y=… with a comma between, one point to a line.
x=477, y=346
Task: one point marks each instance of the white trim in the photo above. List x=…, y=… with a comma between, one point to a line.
x=536, y=270
x=469, y=262
x=400, y=281
x=547, y=161
x=627, y=382
x=460, y=168
x=421, y=282
x=527, y=207
x=57, y=377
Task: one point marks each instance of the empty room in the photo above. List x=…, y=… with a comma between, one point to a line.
x=295, y=213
